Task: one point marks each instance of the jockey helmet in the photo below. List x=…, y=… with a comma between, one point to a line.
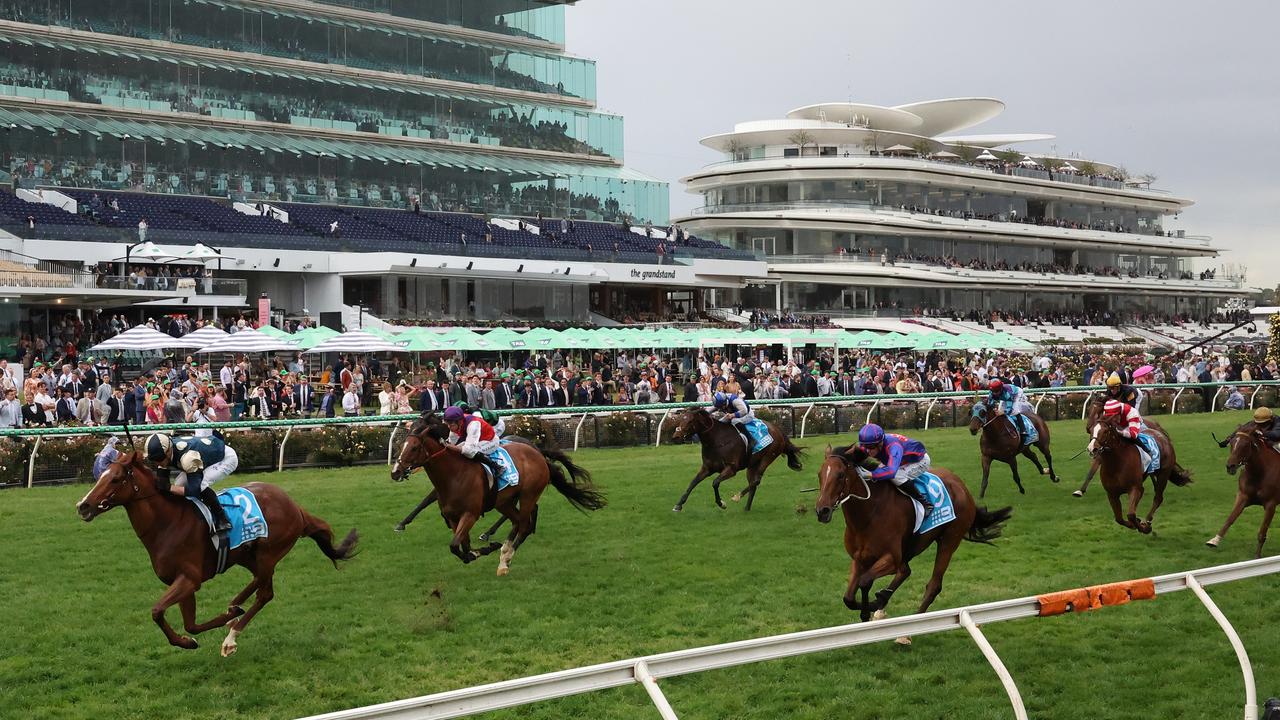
x=158, y=446
x=870, y=434
x=453, y=414
x=720, y=399
x=1113, y=381
x=1112, y=407
x=1263, y=415
x=996, y=386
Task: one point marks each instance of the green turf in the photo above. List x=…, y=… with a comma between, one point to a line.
x=406, y=618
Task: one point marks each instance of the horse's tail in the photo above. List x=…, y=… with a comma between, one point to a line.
x=794, y=455
x=1180, y=476
x=988, y=524
x=573, y=481
x=319, y=531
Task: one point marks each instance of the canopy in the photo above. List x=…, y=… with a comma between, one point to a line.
x=356, y=341
x=206, y=335
x=149, y=251
x=945, y=154
x=249, y=341
x=899, y=148
x=987, y=156
x=201, y=253
x=273, y=331
x=141, y=337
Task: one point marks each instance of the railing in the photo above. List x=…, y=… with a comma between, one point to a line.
x=647, y=670
x=273, y=445
x=179, y=285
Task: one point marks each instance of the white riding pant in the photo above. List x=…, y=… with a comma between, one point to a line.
x=216, y=472
x=910, y=472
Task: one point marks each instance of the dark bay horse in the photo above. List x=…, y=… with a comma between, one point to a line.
x=1259, y=466
x=1001, y=441
x=177, y=539
x=460, y=484
x=724, y=453
x=1093, y=415
x=879, y=528
x=1120, y=465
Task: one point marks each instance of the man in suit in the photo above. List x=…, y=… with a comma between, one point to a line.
x=304, y=397
x=474, y=392
x=329, y=403
x=502, y=392
x=560, y=391
x=690, y=388
x=809, y=388
x=846, y=385
x=488, y=401
x=528, y=395
x=431, y=399
x=66, y=411
x=88, y=412
x=260, y=404
x=667, y=390
x=545, y=396
x=116, y=408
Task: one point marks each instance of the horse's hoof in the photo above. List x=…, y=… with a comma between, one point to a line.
x=187, y=643
x=720, y=504
x=677, y=508
x=1213, y=541
x=879, y=615
x=736, y=497
x=1043, y=471
x=503, y=572
x=399, y=528
x=1055, y=478
x=228, y=650
x=903, y=641
x=236, y=611
x=484, y=537
x=1022, y=490
x=1144, y=528
x=1078, y=493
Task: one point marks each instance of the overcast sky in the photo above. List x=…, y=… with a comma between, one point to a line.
x=1187, y=91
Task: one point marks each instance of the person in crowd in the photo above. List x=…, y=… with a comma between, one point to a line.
x=10, y=408
x=351, y=401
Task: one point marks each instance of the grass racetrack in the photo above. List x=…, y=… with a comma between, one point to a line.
x=406, y=618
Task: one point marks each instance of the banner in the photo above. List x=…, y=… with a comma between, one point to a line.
x=264, y=311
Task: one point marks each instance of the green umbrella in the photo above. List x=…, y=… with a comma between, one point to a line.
x=273, y=331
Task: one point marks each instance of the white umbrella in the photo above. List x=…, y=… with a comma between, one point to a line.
x=201, y=253
x=945, y=154
x=1068, y=167
x=141, y=337
x=986, y=155
x=149, y=251
x=249, y=341
x=357, y=341
x=1029, y=161
x=207, y=335
x=899, y=148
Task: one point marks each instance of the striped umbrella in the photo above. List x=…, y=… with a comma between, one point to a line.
x=141, y=337
x=204, y=336
x=357, y=341
x=249, y=341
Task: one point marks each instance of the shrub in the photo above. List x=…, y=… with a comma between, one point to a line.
x=531, y=428
x=623, y=428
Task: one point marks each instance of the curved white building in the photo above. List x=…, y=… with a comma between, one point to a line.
x=865, y=208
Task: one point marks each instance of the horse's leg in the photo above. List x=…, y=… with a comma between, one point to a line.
x=946, y=548
x=1026, y=450
x=1088, y=478
x=426, y=502
x=850, y=594
x=263, y=576
x=986, y=474
x=751, y=494
x=461, y=543
x=703, y=472
x=1114, y=499
x=1269, y=513
x=189, y=623
x=243, y=595
x=1017, y=479
x=489, y=533
x=1156, y=501
x=180, y=589
x=886, y=564
x=1242, y=500
x=1135, y=495
x=519, y=523
x=886, y=593
x=728, y=472
x=1048, y=459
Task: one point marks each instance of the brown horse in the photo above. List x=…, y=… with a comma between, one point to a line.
x=1092, y=416
x=177, y=539
x=724, y=452
x=1259, y=481
x=879, y=523
x=1120, y=465
x=1001, y=441
x=461, y=486
x=433, y=496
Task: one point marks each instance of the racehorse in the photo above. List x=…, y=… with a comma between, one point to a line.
x=177, y=539
x=725, y=453
x=1120, y=465
x=879, y=528
x=1259, y=481
x=1092, y=416
x=461, y=488
x=1002, y=441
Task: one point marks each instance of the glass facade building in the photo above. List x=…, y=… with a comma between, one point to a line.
x=472, y=106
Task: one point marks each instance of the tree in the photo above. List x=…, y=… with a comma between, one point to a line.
x=1147, y=179
x=967, y=153
x=1009, y=156
x=736, y=148
x=921, y=147
x=871, y=142
x=1088, y=168
x=802, y=138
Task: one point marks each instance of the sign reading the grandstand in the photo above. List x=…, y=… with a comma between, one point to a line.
x=653, y=274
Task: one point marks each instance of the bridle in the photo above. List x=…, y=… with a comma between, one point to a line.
x=106, y=504
x=845, y=469
x=416, y=435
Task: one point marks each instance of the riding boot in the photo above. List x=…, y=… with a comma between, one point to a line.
x=221, y=525
x=492, y=465
x=914, y=493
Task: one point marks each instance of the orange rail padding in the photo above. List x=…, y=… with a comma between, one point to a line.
x=1096, y=596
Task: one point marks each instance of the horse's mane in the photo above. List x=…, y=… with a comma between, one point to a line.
x=432, y=426
x=853, y=456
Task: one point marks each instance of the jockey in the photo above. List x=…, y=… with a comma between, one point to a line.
x=1264, y=423
x=475, y=437
x=902, y=460
x=201, y=461
x=1119, y=391
x=1135, y=428
x=498, y=422
x=731, y=408
x=1009, y=399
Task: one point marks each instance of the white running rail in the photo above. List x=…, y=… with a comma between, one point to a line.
x=647, y=671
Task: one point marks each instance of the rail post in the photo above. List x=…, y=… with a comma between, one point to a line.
x=655, y=693
x=805, y=419
x=872, y=411
x=658, y=442
x=577, y=431
x=1173, y=407
x=1254, y=395
x=1039, y=400
x=1019, y=709
x=1213, y=404
x=1084, y=409
x=391, y=441
x=928, y=411
x=31, y=462
x=283, y=441
x=1250, y=689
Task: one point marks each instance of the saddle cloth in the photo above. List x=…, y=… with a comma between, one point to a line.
x=944, y=511
x=760, y=437
x=1027, y=429
x=241, y=507
x=510, y=475
x=1149, y=450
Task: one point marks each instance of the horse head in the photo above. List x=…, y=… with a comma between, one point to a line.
x=426, y=435
x=691, y=422
x=1092, y=416
x=978, y=418
x=1243, y=443
x=1106, y=435
x=835, y=479
x=126, y=479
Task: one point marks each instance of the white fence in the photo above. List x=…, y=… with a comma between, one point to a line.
x=646, y=671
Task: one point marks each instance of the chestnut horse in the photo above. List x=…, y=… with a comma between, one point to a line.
x=1259, y=481
x=1120, y=465
x=879, y=528
x=176, y=537
x=1001, y=441
x=460, y=484
x=1092, y=416
x=724, y=453
x=433, y=496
